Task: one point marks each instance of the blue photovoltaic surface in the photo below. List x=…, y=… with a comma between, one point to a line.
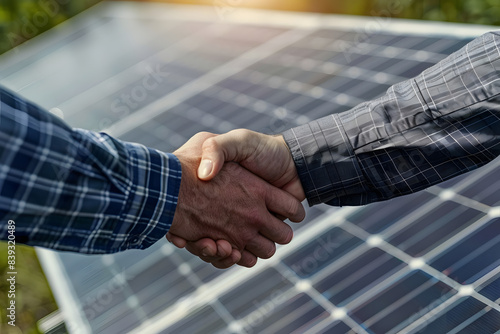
x=425, y=263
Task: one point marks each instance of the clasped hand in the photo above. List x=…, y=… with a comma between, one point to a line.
x=236, y=191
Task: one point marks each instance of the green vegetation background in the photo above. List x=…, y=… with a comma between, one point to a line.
x=21, y=20
x=33, y=296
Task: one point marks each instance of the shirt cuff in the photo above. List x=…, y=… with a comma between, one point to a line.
x=151, y=204
x=325, y=162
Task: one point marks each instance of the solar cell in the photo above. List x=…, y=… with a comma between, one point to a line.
x=423, y=263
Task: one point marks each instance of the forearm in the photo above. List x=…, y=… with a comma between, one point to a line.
x=76, y=190
x=421, y=132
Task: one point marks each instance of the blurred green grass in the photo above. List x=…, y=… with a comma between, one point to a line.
x=33, y=298
x=21, y=20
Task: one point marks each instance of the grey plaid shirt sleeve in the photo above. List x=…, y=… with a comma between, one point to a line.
x=77, y=190
x=423, y=131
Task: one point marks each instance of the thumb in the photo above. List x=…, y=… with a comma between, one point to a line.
x=236, y=145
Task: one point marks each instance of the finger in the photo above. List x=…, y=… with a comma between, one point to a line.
x=177, y=241
x=284, y=205
x=223, y=248
x=247, y=259
x=204, y=247
x=229, y=261
x=261, y=247
x=276, y=230
x=235, y=145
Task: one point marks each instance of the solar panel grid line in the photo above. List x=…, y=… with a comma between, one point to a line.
x=224, y=313
x=324, y=326
x=193, y=115
x=453, y=240
x=295, y=316
x=430, y=296
x=389, y=51
x=289, y=114
x=308, y=90
x=292, y=316
x=229, y=280
x=136, y=307
x=484, y=279
x=450, y=195
x=387, y=311
x=139, y=266
x=260, y=312
x=378, y=286
x=112, y=314
x=304, y=285
x=243, y=100
x=332, y=218
x=333, y=310
x=416, y=325
x=424, y=234
x=385, y=283
x=422, y=313
x=459, y=287
x=410, y=217
x=375, y=289
x=373, y=76
x=340, y=262
x=481, y=250
x=396, y=252
x=362, y=292
x=488, y=301
x=467, y=322
x=205, y=81
x=196, y=300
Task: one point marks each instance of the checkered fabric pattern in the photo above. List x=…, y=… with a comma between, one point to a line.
x=76, y=190
x=423, y=131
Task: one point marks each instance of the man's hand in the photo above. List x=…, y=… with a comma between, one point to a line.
x=236, y=206
x=265, y=156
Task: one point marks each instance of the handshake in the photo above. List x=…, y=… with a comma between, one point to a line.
x=236, y=191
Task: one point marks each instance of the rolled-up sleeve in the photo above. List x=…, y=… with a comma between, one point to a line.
x=77, y=190
x=423, y=131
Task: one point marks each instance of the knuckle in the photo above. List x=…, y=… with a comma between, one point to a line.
x=243, y=135
x=210, y=145
x=203, y=134
x=239, y=132
x=254, y=217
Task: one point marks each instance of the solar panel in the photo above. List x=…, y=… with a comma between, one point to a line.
x=157, y=74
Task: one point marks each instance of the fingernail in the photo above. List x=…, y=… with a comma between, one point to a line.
x=205, y=168
x=204, y=253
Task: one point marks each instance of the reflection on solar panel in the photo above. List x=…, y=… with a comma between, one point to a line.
x=157, y=74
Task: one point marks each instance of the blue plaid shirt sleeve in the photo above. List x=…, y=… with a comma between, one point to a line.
x=442, y=123
x=76, y=190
